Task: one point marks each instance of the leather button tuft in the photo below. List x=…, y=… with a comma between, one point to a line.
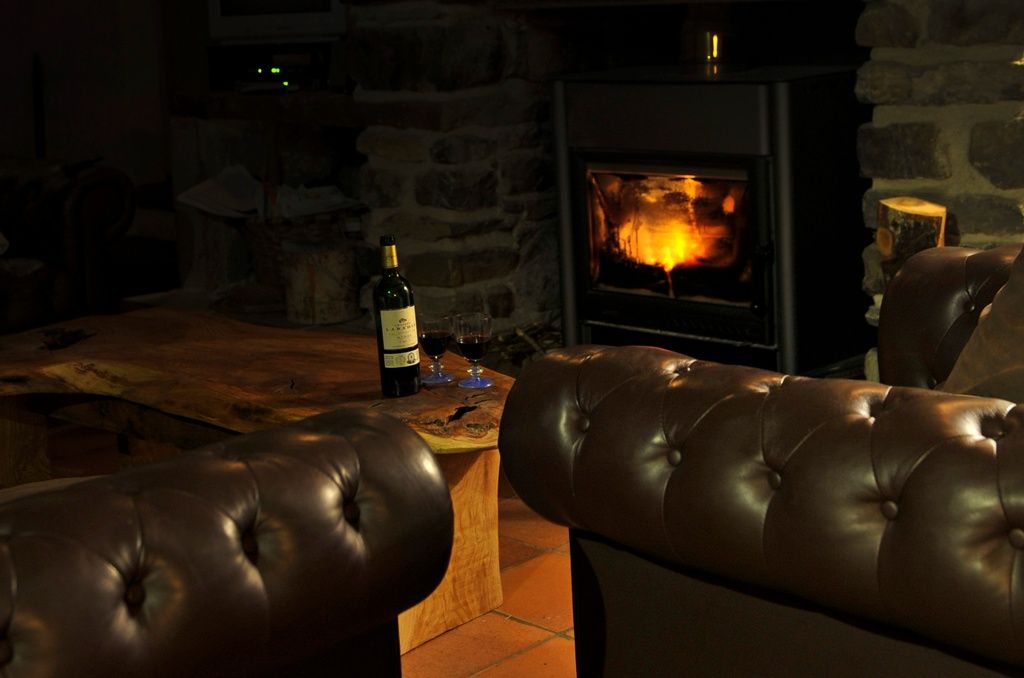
x=1016, y=536
x=6, y=651
x=775, y=480
x=584, y=424
x=135, y=596
x=250, y=547
x=890, y=509
x=970, y=306
x=351, y=511
x=675, y=457
x=992, y=427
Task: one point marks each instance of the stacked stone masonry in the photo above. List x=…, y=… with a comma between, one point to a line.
x=946, y=78
x=460, y=167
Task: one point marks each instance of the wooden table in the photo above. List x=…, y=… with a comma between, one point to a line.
x=188, y=378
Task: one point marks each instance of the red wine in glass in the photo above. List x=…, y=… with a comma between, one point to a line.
x=472, y=336
x=473, y=346
x=435, y=333
x=435, y=342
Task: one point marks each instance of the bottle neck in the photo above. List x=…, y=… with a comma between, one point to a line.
x=389, y=258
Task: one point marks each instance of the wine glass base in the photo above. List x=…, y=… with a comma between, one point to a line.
x=439, y=379
x=476, y=382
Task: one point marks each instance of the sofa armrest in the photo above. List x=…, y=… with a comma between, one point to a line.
x=931, y=307
x=238, y=558
x=899, y=505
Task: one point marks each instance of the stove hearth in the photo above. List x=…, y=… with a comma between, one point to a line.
x=717, y=214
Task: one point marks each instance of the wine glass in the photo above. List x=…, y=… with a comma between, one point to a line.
x=472, y=336
x=434, y=334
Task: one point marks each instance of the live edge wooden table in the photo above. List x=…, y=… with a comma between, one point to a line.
x=189, y=378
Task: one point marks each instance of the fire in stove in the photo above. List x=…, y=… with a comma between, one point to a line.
x=659, y=232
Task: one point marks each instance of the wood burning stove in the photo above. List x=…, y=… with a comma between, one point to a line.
x=717, y=215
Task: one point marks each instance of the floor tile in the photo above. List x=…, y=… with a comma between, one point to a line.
x=539, y=591
x=552, y=659
x=512, y=552
x=517, y=520
x=471, y=647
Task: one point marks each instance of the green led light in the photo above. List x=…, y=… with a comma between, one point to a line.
x=275, y=69
x=259, y=70
x=285, y=83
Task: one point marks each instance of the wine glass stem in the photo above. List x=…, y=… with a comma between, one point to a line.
x=435, y=366
x=475, y=370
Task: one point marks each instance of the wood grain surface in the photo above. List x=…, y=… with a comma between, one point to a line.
x=238, y=376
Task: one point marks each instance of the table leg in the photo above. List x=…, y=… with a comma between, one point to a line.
x=472, y=584
x=23, y=443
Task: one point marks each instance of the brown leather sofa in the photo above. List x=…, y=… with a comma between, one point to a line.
x=287, y=552
x=728, y=521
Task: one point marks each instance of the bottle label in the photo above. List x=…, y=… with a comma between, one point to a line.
x=404, y=359
x=398, y=329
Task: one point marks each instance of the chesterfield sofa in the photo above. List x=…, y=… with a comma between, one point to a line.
x=730, y=521
x=285, y=552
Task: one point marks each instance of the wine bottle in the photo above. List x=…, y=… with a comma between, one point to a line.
x=394, y=310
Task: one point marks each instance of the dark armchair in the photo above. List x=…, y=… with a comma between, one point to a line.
x=730, y=521
x=284, y=552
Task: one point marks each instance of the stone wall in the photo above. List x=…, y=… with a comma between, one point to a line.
x=461, y=167
x=946, y=78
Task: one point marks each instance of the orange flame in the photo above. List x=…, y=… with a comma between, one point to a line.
x=665, y=231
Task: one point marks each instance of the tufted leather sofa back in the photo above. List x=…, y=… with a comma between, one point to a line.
x=239, y=558
x=932, y=306
x=899, y=505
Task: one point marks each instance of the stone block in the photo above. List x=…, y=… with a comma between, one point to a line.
x=884, y=82
x=532, y=207
x=903, y=151
x=468, y=299
x=526, y=136
x=886, y=24
x=461, y=148
x=458, y=53
x=888, y=82
x=379, y=187
x=537, y=280
x=967, y=82
x=499, y=300
x=526, y=172
x=400, y=145
x=435, y=269
x=997, y=152
x=458, y=188
x=455, y=269
x=489, y=264
x=978, y=212
x=976, y=22
x=430, y=228
x=513, y=102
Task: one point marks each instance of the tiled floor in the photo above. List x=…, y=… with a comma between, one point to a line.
x=530, y=635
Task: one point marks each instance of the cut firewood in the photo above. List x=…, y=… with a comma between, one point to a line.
x=907, y=225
